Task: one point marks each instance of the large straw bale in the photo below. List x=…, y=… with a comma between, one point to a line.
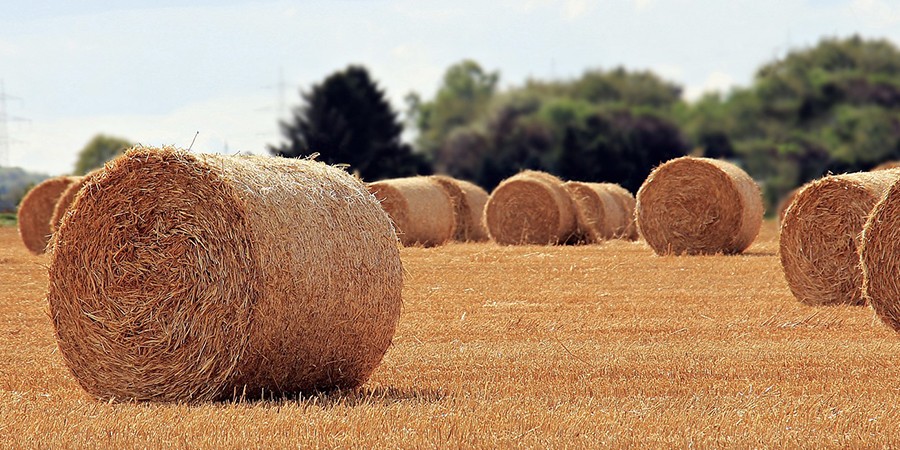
x=66, y=199
x=695, y=205
x=468, y=206
x=819, y=242
x=36, y=211
x=530, y=208
x=420, y=208
x=599, y=214
x=184, y=277
x=880, y=258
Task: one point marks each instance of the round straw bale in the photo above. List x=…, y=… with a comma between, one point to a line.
x=880, y=258
x=786, y=202
x=530, y=208
x=699, y=206
x=36, y=211
x=468, y=205
x=185, y=277
x=887, y=165
x=819, y=243
x=65, y=200
x=627, y=202
x=599, y=215
x=420, y=208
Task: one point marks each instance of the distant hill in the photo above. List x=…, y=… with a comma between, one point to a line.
x=14, y=183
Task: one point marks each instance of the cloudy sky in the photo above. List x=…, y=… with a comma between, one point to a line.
x=158, y=72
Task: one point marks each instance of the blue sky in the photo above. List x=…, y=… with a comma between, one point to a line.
x=157, y=72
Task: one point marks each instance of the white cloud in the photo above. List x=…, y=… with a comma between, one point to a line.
x=642, y=5
x=576, y=8
x=669, y=71
x=717, y=81
x=52, y=146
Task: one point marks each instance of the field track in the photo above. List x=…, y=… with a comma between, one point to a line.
x=521, y=346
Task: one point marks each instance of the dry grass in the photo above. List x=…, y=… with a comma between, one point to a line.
x=521, y=346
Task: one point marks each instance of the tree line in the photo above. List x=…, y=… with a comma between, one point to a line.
x=833, y=107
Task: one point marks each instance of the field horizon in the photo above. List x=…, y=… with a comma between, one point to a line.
x=569, y=346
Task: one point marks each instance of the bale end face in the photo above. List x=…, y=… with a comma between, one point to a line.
x=36, y=212
x=529, y=210
x=699, y=206
x=819, y=240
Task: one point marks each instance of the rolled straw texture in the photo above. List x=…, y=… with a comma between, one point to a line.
x=468, y=202
x=36, y=212
x=887, y=165
x=185, y=277
x=530, y=208
x=628, y=229
x=880, y=258
x=66, y=199
x=786, y=202
x=699, y=206
x=420, y=208
x=820, y=236
x=599, y=214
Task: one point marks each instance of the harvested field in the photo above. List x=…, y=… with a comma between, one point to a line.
x=524, y=346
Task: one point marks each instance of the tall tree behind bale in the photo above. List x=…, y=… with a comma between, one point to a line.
x=211, y=277
x=699, y=206
x=421, y=209
x=98, y=151
x=347, y=120
x=820, y=236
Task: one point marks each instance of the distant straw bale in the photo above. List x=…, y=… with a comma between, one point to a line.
x=880, y=258
x=187, y=277
x=820, y=236
x=530, y=208
x=699, y=206
x=66, y=199
x=421, y=209
x=887, y=165
x=36, y=212
x=599, y=214
x=468, y=205
x=786, y=202
x=627, y=201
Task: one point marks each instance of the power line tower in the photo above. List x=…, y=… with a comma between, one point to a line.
x=5, y=118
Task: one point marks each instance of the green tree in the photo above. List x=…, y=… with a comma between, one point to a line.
x=618, y=147
x=98, y=151
x=462, y=100
x=347, y=120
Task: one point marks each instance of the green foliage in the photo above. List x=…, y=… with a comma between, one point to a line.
x=14, y=184
x=347, y=120
x=461, y=100
x=618, y=147
x=834, y=107
x=8, y=220
x=471, y=131
x=98, y=151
